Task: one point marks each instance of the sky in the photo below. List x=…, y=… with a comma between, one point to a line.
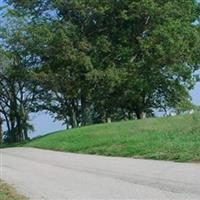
x=43, y=123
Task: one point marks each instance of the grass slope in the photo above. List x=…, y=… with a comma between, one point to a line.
x=9, y=193
x=170, y=138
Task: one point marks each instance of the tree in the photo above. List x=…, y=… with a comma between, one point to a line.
x=18, y=90
x=65, y=64
x=16, y=99
x=154, y=43
x=1, y=129
x=111, y=56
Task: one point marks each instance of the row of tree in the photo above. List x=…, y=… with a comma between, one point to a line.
x=94, y=61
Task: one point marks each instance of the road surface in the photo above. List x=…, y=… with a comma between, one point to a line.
x=43, y=174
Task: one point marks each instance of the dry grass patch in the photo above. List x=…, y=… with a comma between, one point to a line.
x=9, y=193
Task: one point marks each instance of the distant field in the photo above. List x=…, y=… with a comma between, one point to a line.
x=170, y=138
x=9, y=193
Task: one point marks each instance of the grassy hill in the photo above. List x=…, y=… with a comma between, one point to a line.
x=169, y=138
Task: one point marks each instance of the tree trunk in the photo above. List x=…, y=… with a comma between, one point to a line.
x=1, y=130
x=109, y=120
x=12, y=128
x=26, y=134
x=6, y=117
x=83, y=111
x=103, y=117
x=74, y=122
x=19, y=126
x=130, y=116
x=138, y=113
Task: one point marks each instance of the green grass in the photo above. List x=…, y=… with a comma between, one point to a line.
x=170, y=138
x=19, y=144
x=9, y=193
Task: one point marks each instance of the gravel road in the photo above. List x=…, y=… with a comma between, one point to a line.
x=43, y=174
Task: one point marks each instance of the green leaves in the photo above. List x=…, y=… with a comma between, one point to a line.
x=107, y=57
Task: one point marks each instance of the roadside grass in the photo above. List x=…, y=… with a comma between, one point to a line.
x=168, y=138
x=19, y=144
x=9, y=193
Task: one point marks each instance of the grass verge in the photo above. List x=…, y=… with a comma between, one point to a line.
x=9, y=193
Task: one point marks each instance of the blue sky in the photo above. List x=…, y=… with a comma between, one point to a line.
x=195, y=93
x=43, y=123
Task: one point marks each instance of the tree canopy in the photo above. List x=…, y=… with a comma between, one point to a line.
x=96, y=61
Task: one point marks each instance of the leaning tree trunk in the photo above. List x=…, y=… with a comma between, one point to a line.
x=24, y=123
